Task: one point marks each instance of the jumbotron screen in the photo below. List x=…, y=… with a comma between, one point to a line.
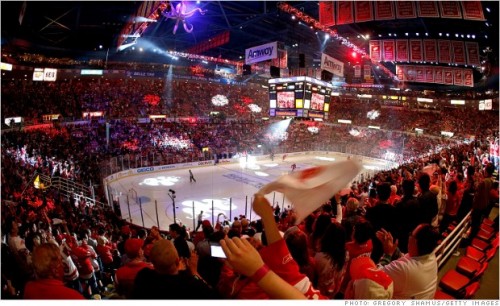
x=299, y=97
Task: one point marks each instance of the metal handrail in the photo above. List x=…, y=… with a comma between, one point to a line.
x=444, y=250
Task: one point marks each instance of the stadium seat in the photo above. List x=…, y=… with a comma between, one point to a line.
x=454, y=283
x=491, y=253
x=475, y=254
x=487, y=221
x=484, y=235
x=487, y=228
x=471, y=290
x=468, y=266
x=480, y=244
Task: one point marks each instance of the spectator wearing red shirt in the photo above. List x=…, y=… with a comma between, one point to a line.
x=125, y=275
x=104, y=252
x=49, y=271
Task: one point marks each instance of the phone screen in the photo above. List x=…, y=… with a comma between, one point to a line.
x=216, y=250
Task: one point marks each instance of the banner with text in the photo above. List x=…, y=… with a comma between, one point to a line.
x=332, y=65
x=450, y=9
x=384, y=10
x=458, y=52
x=472, y=53
x=416, y=50
x=345, y=12
x=473, y=10
x=430, y=50
x=375, y=50
x=405, y=9
x=388, y=47
x=364, y=11
x=437, y=75
x=326, y=13
x=444, y=47
x=427, y=9
x=261, y=53
x=402, y=50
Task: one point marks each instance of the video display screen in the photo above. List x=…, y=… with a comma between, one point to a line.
x=299, y=97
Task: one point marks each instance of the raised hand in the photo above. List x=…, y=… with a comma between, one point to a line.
x=241, y=255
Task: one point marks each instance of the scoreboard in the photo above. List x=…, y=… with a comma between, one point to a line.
x=299, y=97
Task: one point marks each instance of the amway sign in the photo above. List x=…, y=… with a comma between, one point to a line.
x=332, y=65
x=261, y=53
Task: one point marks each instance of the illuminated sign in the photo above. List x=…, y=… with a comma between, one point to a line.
x=458, y=102
x=91, y=72
x=344, y=121
x=5, y=66
x=426, y=100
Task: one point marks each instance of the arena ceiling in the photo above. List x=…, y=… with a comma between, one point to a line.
x=56, y=27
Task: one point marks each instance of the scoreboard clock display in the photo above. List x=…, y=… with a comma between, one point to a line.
x=299, y=97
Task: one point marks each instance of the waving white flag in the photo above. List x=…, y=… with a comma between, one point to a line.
x=310, y=188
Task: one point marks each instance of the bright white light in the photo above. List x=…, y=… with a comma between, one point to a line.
x=325, y=158
x=219, y=100
x=160, y=181
x=373, y=114
x=389, y=155
x=141, y=49
x=270, y=165
x=258, y=173
x=277, y=131
x=248, y=162
x=313, y=129
x=354, y=132
x=370, y=167
x=254, y=108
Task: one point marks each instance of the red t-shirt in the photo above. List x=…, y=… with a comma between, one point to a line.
x=50, y=289
x=104, y=251
x=125, y=276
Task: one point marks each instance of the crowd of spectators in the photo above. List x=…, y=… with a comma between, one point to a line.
x=104, y=256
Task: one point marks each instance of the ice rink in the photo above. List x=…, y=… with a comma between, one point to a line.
x=225, y=188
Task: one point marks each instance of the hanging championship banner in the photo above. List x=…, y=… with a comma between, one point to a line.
x=457, y=77
x=357, y=71
x=345, y=12
x=429, y=74
x=420, y=74
x=388, y=47
x=468, y=77
x=448, y=76
x=472, y=53
x=375, y=54
x=430, y=50
x=364, y=11
x=384, y=10
x=402, y=50
x=410, y=73
x=416, y=50
x=444, y=47
x=427, y=9
x=326, y=13
x=438, y=75
x=367, y=71
x=400, y=72
x=405, y=9
x=449, y=9
x=458, y=52
x=473, y=10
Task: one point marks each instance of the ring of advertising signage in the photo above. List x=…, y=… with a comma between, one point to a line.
x=299, y=97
